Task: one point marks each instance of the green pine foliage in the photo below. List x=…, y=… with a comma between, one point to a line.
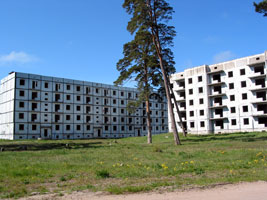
x=261, y=7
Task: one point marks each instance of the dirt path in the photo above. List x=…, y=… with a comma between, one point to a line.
x=241, y=191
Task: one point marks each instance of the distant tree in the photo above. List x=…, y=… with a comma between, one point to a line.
x=154, y=15
x=261, y=7
x=141, y=64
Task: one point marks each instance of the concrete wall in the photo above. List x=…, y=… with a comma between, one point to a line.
x=57, y=108
x=234, y=96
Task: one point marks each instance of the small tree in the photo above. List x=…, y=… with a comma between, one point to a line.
x=261, y=7
x=141, y=65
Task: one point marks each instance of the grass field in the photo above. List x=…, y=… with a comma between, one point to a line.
x=129, y=164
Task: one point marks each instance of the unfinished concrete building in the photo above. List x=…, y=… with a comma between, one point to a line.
x=224, y=97
x=34, y=106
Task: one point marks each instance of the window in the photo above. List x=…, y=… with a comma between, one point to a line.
x=34, y=127
x=106, y=128
x=78, y=117
x=242, y=72
x=67, y=117
x=21, y=104
x=114, y=92
x=114, y=110
x=78, y=98
x=232, y=109
x=191, y=113
x=246, y=121
x=233, y=122
x=232, y=97
x=114, y=119
x=78, y=108
x=78, y=127
x=34, y=95
x=231, y=86
x=114, y=101
x=200, y=89
x=201, y=101
x=68, y=87
x=245, y=108
x=202, y=124
x=67, y=107
x=230, y=74
x=190, y=80
x=46, y=85
x=244, y=96
x=122, y=94
x=78, y=88
x=57, y=127
x=122, y=102
x=21, y=115
x=34, y=117
x=68, y=97
x=22, y=82
x=21, y=127
x=191, y=102
x=96, y=90
x=122, y=119
x=200, y=79
x=192, y=124
x=122, y=111
x=243, y=84
x=88, y=127
x=201, y=112
x=34, y=106
x=57, y=86
x=21, y=93
x=190, y=91
x=67, y=127
x=114, y=128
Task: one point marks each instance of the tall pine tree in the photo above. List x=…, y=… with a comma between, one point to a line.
x=154, y=15
x=140, y=64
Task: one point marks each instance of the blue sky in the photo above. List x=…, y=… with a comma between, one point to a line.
x=83, y=39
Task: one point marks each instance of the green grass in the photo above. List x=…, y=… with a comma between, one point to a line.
x=129, y=164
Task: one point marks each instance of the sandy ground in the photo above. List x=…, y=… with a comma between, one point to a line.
x=241, y=191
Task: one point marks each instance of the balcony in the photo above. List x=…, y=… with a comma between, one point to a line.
x=257, y=75
x=217, y=94
x=258, y=88
x=215, y=83
x=217, y=105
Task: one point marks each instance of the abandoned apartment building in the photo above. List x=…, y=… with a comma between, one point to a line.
x=34, y=106
x=224, y=97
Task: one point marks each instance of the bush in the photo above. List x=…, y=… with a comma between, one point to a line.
x=102, y=174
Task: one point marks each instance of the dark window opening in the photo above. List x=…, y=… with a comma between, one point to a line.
x=21, y=93
x=232, y=109
x=233, y=122
x=190, y=80
x=243, y=84
x=230, y=74
x=201, y=101
x=242, y=72
x=57, y=118
x=34, y=95
x=21, y=127
x=33, y=117
x=57, y=97
x=21, y=115
x=232, y=97
x=200, y=79
x=246, y=121
x=21, y=104
x=244, y=96
x=46, y=85
x=231, y=86
x=22, y=82
x=57, y=107
x=202, y=124
x=34, y=106
x=78, y=88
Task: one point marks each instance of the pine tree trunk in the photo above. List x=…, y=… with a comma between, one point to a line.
x=157, y=44
x=148, y=118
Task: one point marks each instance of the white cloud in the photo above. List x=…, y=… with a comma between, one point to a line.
x=223, y=56
x=17, y=58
